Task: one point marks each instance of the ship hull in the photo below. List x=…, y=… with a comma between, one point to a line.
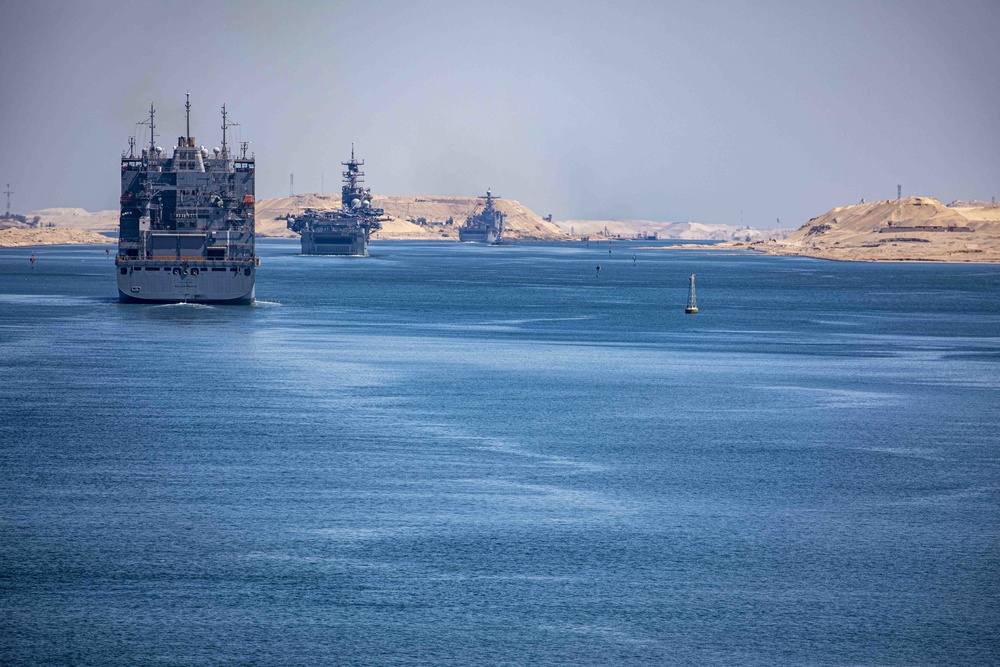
x=159, y=283
x=352, y=244
x=477, y=236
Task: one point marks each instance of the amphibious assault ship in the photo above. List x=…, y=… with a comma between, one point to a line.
x=487, y=226
x=186, y=230
x=343, y=232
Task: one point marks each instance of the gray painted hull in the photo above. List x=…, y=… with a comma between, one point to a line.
x=476, y=236
x=351, y=243
x=143, y=283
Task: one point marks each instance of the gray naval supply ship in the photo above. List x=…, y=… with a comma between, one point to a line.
x=186, y=230
x=344, y=232
x=487, y=226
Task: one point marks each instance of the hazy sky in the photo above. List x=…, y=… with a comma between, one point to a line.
x=650, y=110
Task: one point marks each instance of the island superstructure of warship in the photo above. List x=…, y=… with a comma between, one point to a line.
x=487, y=226
x=344, y=232
x=186, y=231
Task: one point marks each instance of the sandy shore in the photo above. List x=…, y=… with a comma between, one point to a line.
x=916, y=229
x=912, y=229
x=17, y=238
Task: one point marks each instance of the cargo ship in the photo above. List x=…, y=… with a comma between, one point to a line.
x=186, y=230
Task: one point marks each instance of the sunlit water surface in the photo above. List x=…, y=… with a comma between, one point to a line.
x=451, y=454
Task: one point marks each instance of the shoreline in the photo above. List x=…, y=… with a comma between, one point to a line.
x=16, y=237
x=764, y=252
x=51, y=236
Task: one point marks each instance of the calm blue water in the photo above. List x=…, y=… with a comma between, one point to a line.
x=454, y=455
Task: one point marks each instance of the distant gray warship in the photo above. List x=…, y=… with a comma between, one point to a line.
x=343, y=232
x=187, y=222
x=487, y=226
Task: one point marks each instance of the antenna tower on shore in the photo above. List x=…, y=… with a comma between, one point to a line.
x=291, y=185
x=8, y=192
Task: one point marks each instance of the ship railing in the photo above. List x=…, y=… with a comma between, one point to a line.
x=189, y=259
x=197, y=231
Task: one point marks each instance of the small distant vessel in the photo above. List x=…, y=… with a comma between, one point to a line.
x=344, y=232
x=692, y=307
x=487, y=226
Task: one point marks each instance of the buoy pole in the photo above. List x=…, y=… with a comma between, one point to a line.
x=692, y=307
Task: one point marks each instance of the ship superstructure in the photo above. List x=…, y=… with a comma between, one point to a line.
x=186, y=230
x=344, y=232
x=486, y=226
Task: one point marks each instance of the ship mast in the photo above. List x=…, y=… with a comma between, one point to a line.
x=225, y=125
x=152, y=129
x=353, y=177
x=488, y=208
x=187, y=116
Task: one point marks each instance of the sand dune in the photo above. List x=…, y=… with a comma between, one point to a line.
x=911, y=229
x=14, y=237
x=914, y=228
x=77, y=218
